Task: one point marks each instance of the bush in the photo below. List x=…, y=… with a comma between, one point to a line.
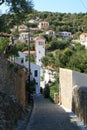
x=54, y=89
x=46, y=91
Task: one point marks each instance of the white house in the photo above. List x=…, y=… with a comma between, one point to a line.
x=35, y=69
x=43, y=24
x=40, y=49
x=48, y=76
x=83, y=39
x=32, y=53
x=50, y=32
x=66, y=34
x=22, y=28
x=23, y=36
x=32, y=21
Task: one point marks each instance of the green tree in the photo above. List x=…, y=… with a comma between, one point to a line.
x=45, y=61
x=65, y=57
x=19, y=6
x=3, y=43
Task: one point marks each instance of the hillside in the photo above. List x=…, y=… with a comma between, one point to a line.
x=75, y=23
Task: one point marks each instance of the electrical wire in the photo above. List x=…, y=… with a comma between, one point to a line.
x=83, y=4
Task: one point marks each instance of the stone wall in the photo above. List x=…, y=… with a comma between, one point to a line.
x=12, y=80
x=12, y=93
x=79, y=103
x=10, y=111
x=20, y=86
x=7, y=77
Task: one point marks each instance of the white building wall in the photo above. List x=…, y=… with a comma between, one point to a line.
x=23, y=36
x=84, y=43
x=40, y=51
x=51, y=33
x=49, y=76
x=43, y=24
x=66, y=34
x=33, y=67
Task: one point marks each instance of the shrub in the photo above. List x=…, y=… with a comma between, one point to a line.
x=54, y=89
x=46, y=91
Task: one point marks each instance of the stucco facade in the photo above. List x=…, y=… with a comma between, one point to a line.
x=68, y=80
x=40, y=49
x=21, y=60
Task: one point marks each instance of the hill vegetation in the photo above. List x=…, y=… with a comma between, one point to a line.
x=75, y=23
x=59, y=52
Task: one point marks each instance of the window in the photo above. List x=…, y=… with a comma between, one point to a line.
x=35, y=73
x=22, y=61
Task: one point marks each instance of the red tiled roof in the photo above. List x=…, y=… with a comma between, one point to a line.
x=4, y=34
x=34, y=29
x=31, y=52
x=85, y=34
x=39, y=38
x=50, y=31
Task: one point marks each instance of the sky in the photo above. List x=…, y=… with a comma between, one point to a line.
x=63, y=6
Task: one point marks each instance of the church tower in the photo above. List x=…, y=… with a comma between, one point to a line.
x=40, y=49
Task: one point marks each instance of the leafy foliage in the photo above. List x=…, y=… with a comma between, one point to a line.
x=3, y=43
x=20, y=6
x=47, y=91
x=54, y=89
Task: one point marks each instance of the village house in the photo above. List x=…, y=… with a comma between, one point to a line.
x=43, y=24
x=66, y=34
x=83, y=39
x=32, y=21
x=34, y=29
x=35, y=69
x=22, y=28
x=32, y=53
x=50, y=32
x=48, y=76
x=24, y=37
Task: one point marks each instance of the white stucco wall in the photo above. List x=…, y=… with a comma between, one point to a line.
x=68, y=79
x=84, y=43
x=40, y=50
x=65, y=79
x=33, y=67
x=49, y=76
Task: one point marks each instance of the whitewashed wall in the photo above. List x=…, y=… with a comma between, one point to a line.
x=68, y=79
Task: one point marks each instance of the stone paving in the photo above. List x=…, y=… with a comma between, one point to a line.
x=49, y=116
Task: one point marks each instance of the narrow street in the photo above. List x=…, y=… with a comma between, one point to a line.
x=49, y=116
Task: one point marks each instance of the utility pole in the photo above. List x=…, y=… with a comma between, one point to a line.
x=29, y=70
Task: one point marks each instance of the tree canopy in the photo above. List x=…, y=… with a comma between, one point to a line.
x=18, y=6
